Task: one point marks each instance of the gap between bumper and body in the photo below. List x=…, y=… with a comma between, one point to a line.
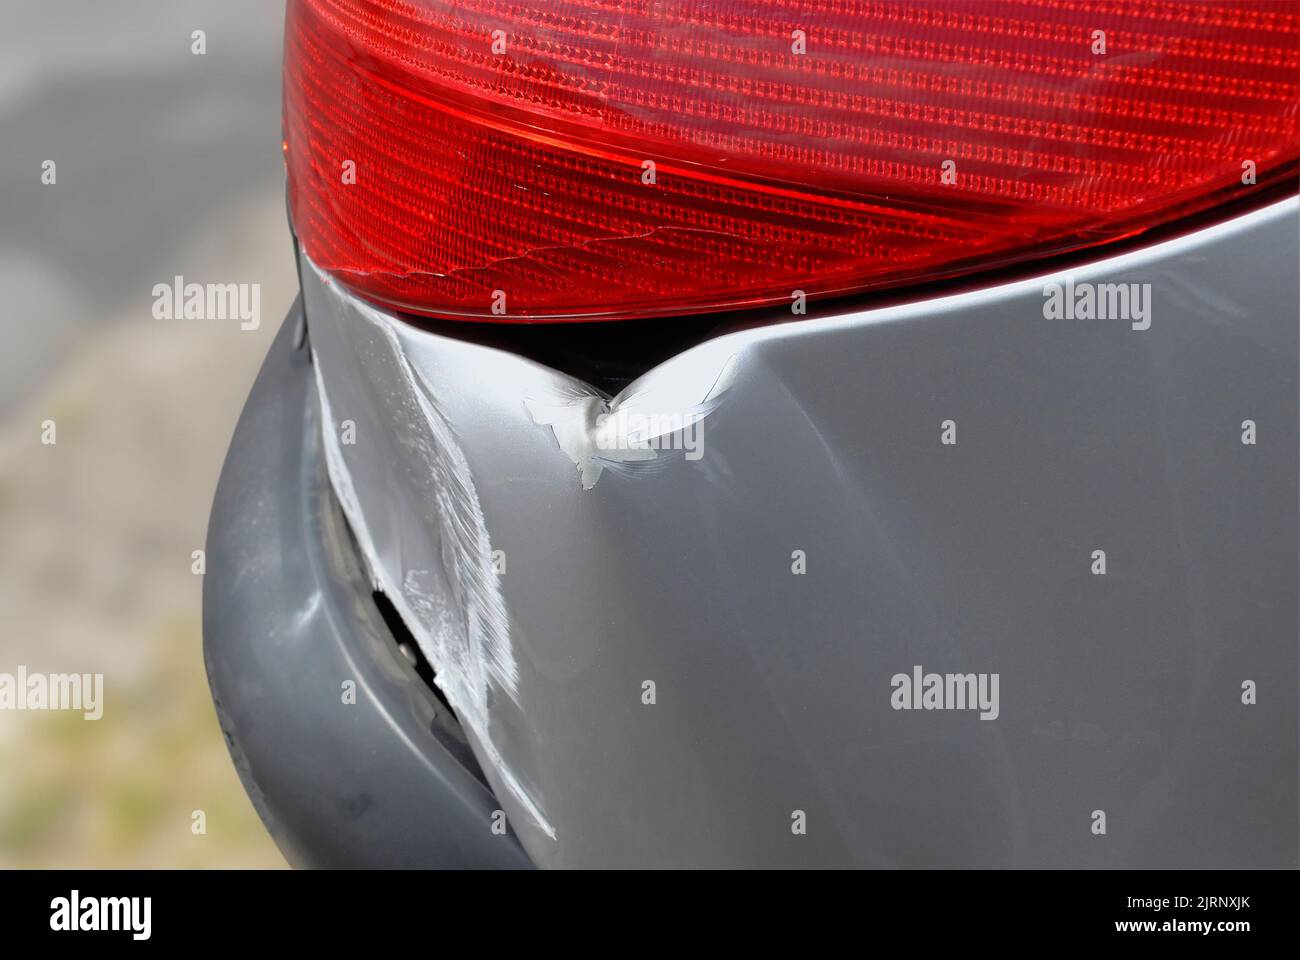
x=348, y=757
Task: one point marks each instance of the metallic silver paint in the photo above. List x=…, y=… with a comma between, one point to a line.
x=1119, y=692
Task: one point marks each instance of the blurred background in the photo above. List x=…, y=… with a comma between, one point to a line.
x=167, y=163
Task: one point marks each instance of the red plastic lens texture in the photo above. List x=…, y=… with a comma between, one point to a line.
x=599, y=159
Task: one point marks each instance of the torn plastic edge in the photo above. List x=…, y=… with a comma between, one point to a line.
x=664, y=409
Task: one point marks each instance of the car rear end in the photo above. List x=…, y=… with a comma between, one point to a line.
x=775, y=434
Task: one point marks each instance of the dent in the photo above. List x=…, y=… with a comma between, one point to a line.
x=662, y=411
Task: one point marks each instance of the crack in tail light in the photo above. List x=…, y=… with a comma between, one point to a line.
x=604, y=159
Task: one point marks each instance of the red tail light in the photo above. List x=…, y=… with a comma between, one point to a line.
x=593, y=159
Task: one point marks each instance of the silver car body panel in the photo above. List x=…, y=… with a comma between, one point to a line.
x=674, y=622
x=341, y=778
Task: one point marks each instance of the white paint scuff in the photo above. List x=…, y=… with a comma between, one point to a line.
x=465, y=636
x=594, y=432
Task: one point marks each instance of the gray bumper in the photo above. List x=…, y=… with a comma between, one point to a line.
x=288, y=621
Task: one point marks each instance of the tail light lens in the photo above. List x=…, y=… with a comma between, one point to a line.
x=596, y=159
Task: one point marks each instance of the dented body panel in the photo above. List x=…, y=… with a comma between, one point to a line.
x=346, y=754
x=671, y=620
